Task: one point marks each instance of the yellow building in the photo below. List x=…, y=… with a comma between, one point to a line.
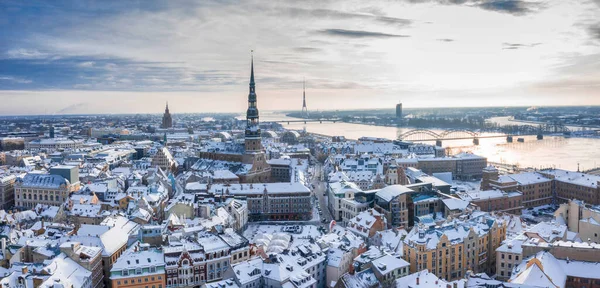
x=46, y=189
x=453, y=248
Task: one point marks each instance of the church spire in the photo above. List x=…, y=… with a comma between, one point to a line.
x=252, y=69
x=252, y=133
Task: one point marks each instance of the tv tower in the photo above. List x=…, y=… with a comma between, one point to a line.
x=304, y=109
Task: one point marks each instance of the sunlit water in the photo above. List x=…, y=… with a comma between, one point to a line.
x=552, y=151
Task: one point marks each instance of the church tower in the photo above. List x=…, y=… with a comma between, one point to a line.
x=252, y=137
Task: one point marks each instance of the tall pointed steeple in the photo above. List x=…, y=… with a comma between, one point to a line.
x=252, y=133
x=251, y=70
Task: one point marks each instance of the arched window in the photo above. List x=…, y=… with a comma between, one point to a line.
x=46, y=197
x=51, y=197
x=29, y=196
x=34, y=196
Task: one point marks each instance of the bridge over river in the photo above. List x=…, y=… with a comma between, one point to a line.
x=508, y=132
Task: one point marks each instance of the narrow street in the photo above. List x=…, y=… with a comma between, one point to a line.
x=320, y=187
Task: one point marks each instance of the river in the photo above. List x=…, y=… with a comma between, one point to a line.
x=552, y=151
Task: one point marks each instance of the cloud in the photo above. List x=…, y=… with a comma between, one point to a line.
x=358, y=34
x=306, y=49
x=15, y=80
x=594, y=31
x=201, y=48
x=86, y=64
x=394, y=20
x=26, y=54
x=91, y=73
x=513, y=7
x=343, y=15
x=515, y=46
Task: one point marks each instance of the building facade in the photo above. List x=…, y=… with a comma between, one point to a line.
x=45, y=189
x=164, y=160
x=455, y=247
x=7, y=191
x=270, y=201
x=53, y=144
x=580, y=218
x=185, y=265
x=167, y=120
x=139, y=267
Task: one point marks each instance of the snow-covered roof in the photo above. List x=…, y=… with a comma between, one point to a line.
x=528, y=178
x=35, y=180
x=424, y=279
x=540, y=270
x=389, y=263
x=455, y=204
x=134, y=258
x=64, y=269
x=259, y=188
x=388, y=193
x=361, y=224
x=572, y=177
x=548, y=231
x=212, y=243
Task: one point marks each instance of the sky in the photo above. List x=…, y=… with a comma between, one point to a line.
x=82, y=56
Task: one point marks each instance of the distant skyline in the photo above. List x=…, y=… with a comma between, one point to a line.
x=92, y=57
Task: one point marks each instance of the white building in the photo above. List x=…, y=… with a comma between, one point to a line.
x=54, y=144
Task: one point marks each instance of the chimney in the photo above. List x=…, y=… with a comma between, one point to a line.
x=417, y=280
x=24, y=270
x=454, y=284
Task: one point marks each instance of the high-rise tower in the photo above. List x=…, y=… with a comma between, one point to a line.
x=399, y=111
x=252, y=135
x=304, y=109
x=167, y=121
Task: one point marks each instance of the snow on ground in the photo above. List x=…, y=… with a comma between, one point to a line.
x=315, y=212
x=465, y=186
x=300, y=233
